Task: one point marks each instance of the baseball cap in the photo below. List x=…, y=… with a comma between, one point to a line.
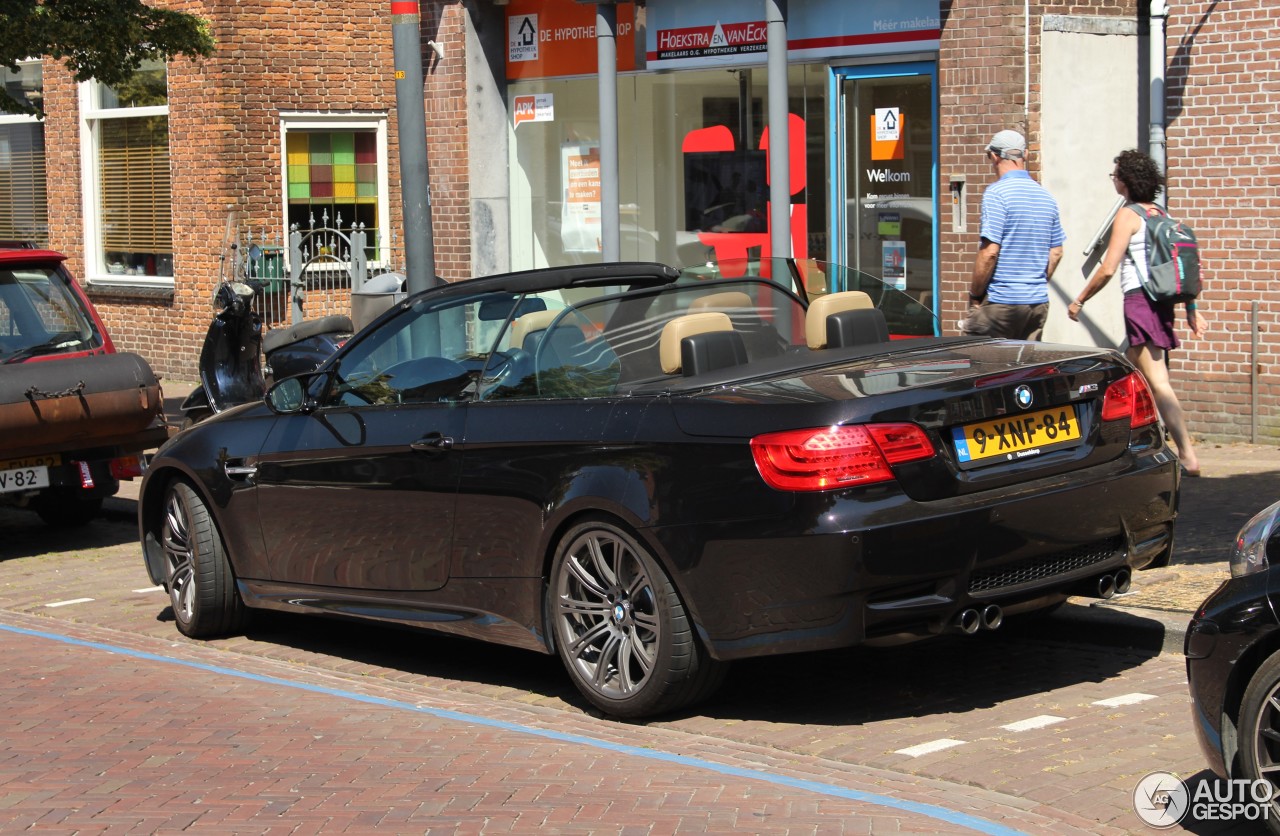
x=1010, y=145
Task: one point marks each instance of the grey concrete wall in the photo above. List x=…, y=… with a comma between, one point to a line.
x=487, y=137
x=1090, y=112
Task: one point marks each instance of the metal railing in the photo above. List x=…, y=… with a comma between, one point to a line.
x=315, y=270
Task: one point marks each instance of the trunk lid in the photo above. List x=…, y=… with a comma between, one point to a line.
x=997, y=412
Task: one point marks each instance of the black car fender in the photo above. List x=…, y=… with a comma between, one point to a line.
x=607, y=490
x=221, y=441
x=623, y=492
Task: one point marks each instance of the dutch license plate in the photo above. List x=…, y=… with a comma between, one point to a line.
x=26, y=474
x=1013, y=437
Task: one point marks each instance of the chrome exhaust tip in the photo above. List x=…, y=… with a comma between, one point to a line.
x=992, y=616
x=1124, y=580
x=1106, y=586
x=968, y=621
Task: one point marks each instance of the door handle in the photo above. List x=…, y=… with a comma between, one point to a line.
x=432, y=443
x=240, y=472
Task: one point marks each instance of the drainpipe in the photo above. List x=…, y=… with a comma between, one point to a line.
x=607, y=69
x=775, y=15
x=1159, y=17
x=415, y=182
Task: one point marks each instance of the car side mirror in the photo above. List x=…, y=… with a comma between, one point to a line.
x=288, y=396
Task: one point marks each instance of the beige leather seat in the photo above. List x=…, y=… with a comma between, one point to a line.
x=815, y=320
x=689, y=325
x=726, y=300
x=530, y=323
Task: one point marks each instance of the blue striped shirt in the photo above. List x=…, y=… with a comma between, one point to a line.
x=1022, y=217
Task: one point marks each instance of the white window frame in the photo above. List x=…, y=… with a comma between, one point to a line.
x=341, y=122
x=22, y=119
x=91, y=116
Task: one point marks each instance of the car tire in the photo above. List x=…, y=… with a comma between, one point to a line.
x=67, y=507
x=620, y=627
x=1259, y=731
x=200, y=582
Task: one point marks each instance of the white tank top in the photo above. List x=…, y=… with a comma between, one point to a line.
x=1134, y=265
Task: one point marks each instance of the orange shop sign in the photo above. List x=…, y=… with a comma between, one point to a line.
x=549, y=38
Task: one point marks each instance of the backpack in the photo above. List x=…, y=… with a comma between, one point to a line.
x=1173, y=258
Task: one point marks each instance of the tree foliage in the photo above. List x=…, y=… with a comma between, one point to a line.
x=102, y=39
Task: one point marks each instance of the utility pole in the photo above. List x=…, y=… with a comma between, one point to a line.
x=415, y=181
x=775, y=12
x=607, y=70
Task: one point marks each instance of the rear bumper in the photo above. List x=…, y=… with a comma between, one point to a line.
x=844, y=570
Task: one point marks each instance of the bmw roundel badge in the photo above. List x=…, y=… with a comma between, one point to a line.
x=1023, y=396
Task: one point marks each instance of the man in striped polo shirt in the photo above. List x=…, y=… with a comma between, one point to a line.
x=1021, y=246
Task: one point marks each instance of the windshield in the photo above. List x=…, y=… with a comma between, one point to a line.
x=40, y=314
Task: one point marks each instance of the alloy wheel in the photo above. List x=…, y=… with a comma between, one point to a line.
x=608, y=611
x=1266, y=749
x=179, y=553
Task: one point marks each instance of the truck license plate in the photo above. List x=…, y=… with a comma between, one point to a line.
x=15, y=479
x=1015, y=437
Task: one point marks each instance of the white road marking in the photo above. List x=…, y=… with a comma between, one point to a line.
x=1125, y=699
x=150, y=589
x=72, y=601
x=928, y=748
x=1037, y=722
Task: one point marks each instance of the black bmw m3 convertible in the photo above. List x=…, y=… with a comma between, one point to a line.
x=651, y=473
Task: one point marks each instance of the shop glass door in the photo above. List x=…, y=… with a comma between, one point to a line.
x=883, y=195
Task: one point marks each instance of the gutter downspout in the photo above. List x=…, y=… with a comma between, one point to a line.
x=1026, y=66
x=1156, y=137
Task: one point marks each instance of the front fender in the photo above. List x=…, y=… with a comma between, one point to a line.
x=200, y=456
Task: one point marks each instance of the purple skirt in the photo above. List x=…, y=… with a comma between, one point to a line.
x=1148, y=322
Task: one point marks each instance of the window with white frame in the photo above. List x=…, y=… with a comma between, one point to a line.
x=128, y=202
x=335, y=175
x=24, y=203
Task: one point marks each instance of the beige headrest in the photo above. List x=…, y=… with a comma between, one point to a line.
x=536, y=321
x=686, y=326
x=721, y=301
x=815, y=320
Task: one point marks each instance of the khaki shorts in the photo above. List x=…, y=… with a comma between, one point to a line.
x=1013, y=322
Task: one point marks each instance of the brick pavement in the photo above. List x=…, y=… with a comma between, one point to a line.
x=171, y=739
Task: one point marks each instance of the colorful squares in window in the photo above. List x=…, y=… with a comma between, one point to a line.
x=344, y=149
x=332, y=167
x=296, y=153
x=321, y=153
x=366, y=148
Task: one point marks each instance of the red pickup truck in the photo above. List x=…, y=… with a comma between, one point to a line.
x=75, y=414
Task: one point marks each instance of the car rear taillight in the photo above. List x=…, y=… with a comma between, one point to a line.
x=128, y=467
x=837, y=457
x=1130, y=397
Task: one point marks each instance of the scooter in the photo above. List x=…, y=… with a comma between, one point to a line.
x=231, y=368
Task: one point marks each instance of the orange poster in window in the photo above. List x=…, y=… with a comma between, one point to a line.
x=888, y=130
x=549, y=38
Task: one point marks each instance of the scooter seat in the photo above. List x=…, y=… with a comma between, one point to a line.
x=280, y=337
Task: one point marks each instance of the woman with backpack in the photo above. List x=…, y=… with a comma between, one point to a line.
x=1149, y=326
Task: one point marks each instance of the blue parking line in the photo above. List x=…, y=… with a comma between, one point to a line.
x=942, y=814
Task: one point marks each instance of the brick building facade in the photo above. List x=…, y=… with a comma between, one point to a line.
x=993, y=68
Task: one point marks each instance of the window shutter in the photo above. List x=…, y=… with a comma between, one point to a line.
x=134, y=185
x=24, y=203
